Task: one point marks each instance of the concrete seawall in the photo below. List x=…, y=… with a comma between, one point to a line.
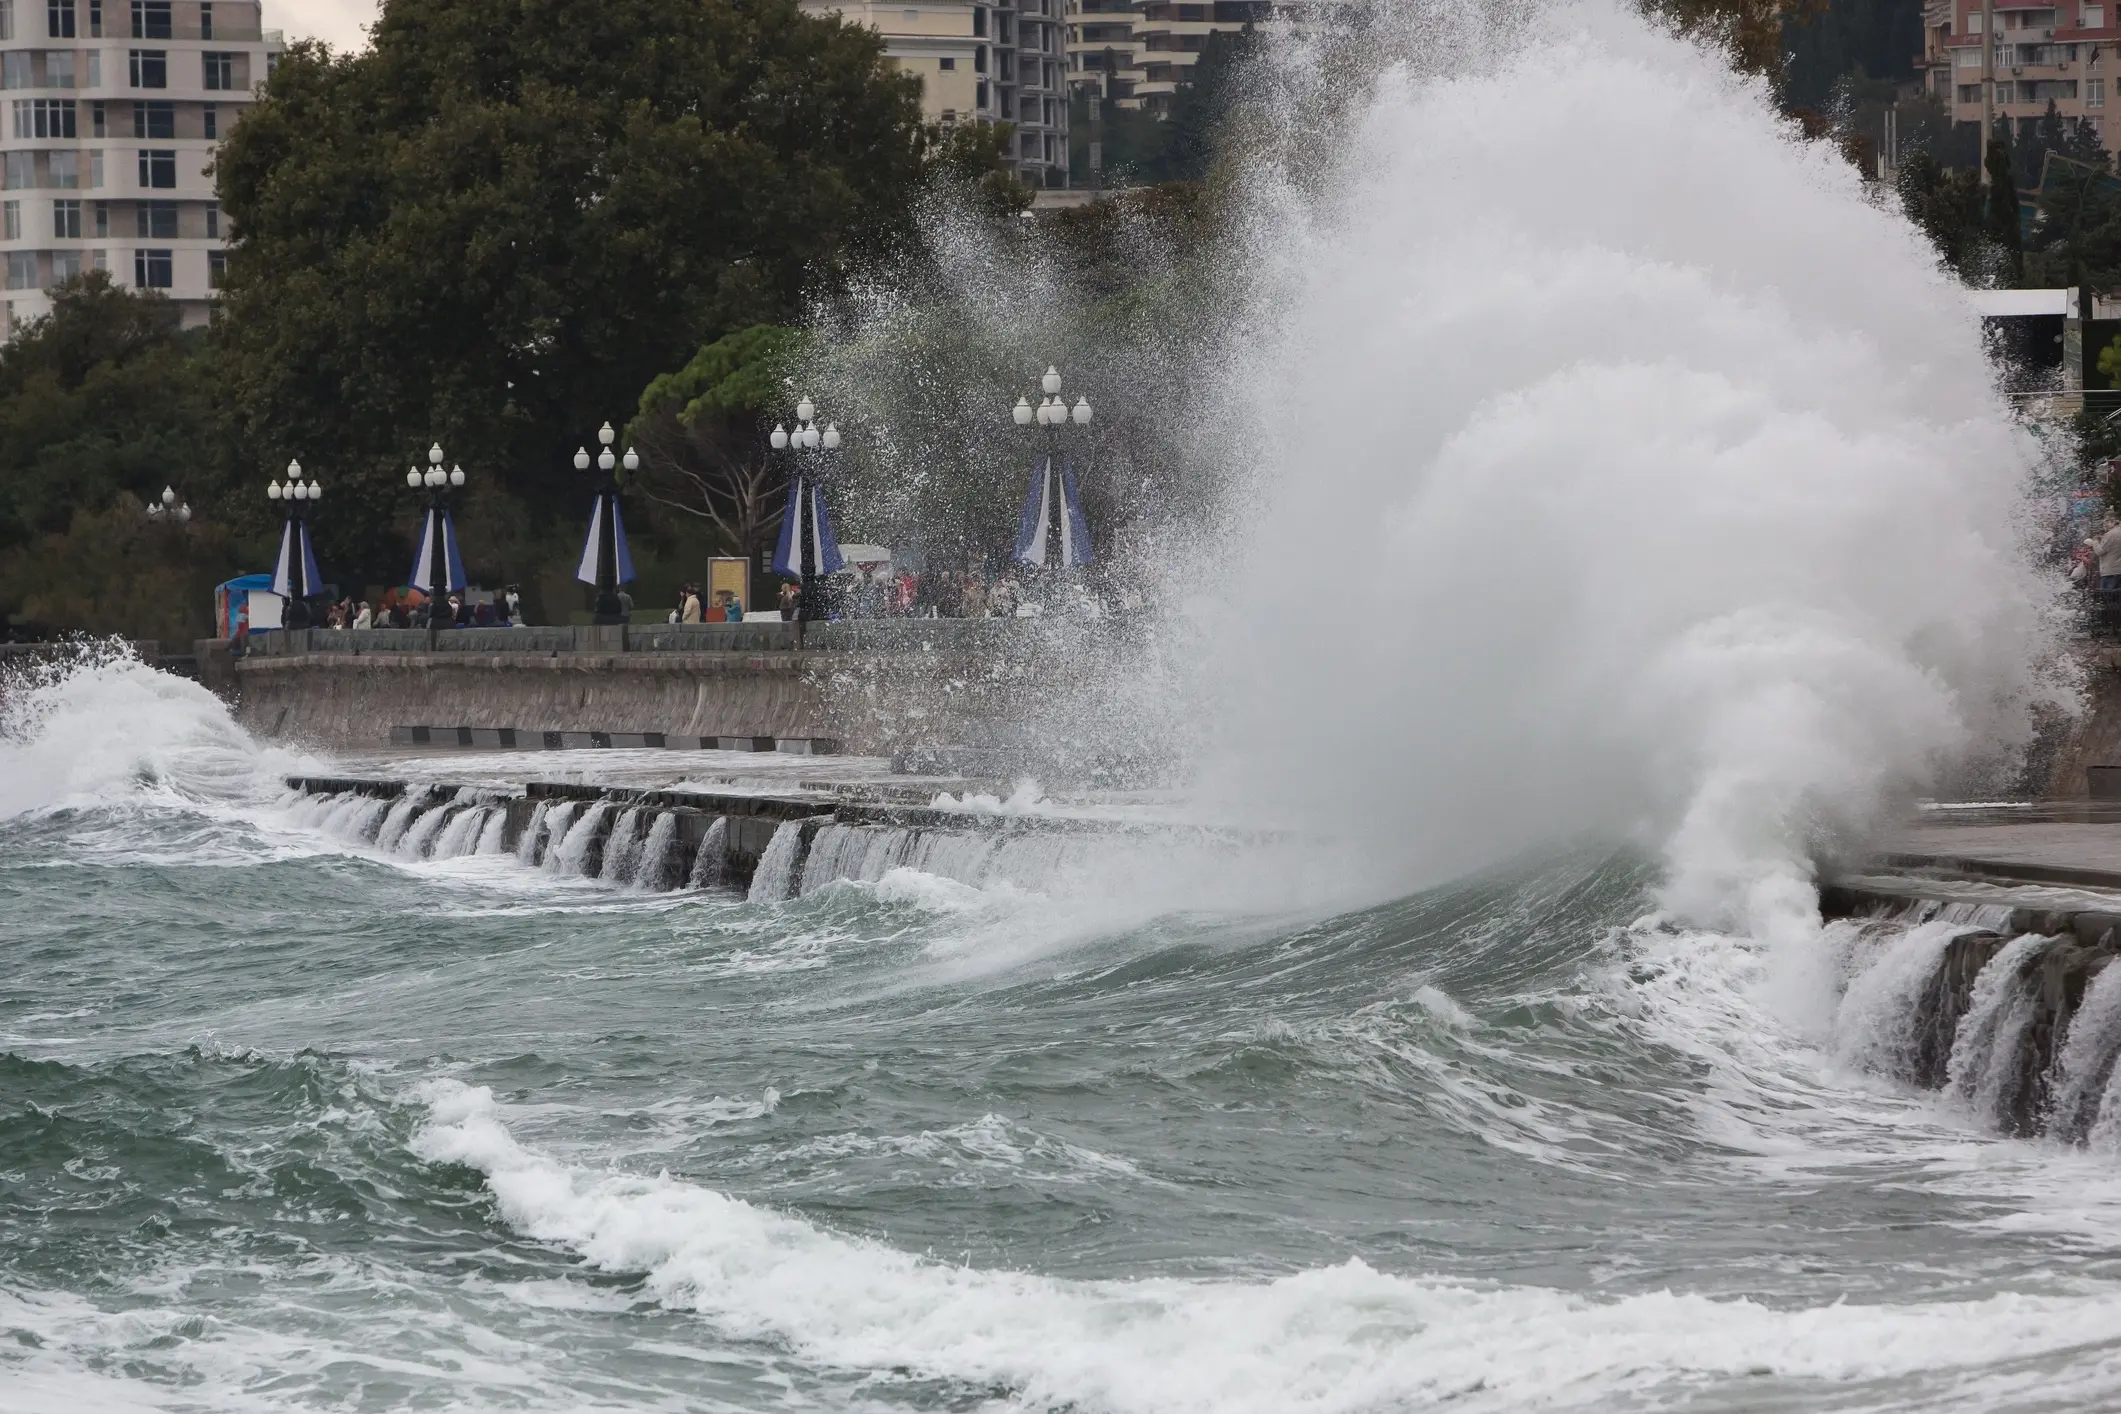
x=873, y=688
x=340, y=700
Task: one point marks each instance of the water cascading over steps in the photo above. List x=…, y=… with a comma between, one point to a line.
x=2021, y=1031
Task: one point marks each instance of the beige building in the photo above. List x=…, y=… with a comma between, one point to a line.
x=115, y=108
x=979, y=62
x=2045, y=52
x=1138, y=54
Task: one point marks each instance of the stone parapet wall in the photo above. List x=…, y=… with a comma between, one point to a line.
x=332, y=699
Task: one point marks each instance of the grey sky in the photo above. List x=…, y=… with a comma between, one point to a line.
x=338, y=21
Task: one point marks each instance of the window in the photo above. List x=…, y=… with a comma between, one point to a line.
x=22, y=270
x=99, y=260
x=213, y=223
x=206, y=20
x=98, y=121
x=14, y=70
x=979, y=59
x=2095, y=93
x=10, y=220
x=7, y=19
x=158, y=220
x=95, y=18
x=158, y=169
x=59, y=18
x=66, y=265
x=153, y=269
x=44, y=117
x=95, y=70
x=216, y=269
x=66, y=170
x=946, y=64
x=210, y=120
x=58, y=71
x=66, y=220
x=102, y=220
x=156, y=119
x=1969, y=93
x=18, y=170
x=95, y=167
x=220, y=71
x=979, y=21
x=151, y=19
x=981, y=98
x=150, y=68
x=2095, y=17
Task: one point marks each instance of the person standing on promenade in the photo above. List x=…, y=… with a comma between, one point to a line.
x=2108, y=548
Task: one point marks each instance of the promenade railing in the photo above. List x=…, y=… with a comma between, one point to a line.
x=836, y=636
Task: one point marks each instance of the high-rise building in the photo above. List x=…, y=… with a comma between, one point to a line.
x=2064, y=52
x=1139, y=52
x=114, y=109
x=1000, y=62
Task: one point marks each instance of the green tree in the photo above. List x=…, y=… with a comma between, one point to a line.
x=496, y=225
x=701, y=433
x=1947, y=205
x=2001, y=214
x=1203, y=105
x=105, y=394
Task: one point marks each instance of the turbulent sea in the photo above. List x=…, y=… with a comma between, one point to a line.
x=1666, y=500
x=289, y=1124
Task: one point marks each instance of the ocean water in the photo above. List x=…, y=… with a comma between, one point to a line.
x=1673, y=525
x=289, y=1123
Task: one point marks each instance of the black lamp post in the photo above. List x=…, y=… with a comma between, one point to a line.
x=609, y=610
x=438, y=483
x=805, y=446
x=294, y=542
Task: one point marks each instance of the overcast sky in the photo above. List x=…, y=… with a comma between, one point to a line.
x=338, y=21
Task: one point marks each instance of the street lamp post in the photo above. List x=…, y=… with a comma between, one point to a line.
x=609, y=610
x=1052, y=413
x=805, y=446
x=294, y=496
x=438, y=483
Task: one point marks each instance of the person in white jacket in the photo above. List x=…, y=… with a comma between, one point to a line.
x=2108, y=548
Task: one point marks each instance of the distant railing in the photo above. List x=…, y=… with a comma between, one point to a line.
x=837, y=636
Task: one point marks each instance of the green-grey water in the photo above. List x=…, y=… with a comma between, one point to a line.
x=291, y=1122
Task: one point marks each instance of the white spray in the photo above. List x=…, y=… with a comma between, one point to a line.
x=1623, y=468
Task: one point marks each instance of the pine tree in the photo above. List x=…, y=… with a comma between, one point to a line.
x=2003, y=206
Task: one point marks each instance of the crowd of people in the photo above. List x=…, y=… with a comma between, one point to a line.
x=937, y=594
x=724, y=608
x=414, y=610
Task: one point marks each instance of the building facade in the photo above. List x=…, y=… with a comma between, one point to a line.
x=1002, y=62
x=114, y=109
x=2048, y=52
x=1140, y=52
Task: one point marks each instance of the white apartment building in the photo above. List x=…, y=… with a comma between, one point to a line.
x=114, y=109
x=1139, y=52
x=999, y=62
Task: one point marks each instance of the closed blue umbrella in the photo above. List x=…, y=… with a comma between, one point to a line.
x=424, y=570
x=606, y=546
x=807, y=546
x=295, y=575
x=1053, y=511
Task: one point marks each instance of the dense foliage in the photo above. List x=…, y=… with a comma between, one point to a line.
x=499, y=223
